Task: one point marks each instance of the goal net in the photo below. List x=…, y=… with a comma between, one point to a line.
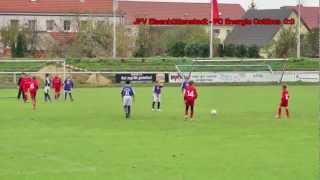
x=11, y=70
x=230, y=71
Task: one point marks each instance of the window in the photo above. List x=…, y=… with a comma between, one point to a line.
x=216, y=31
x=14, y=23
x=67, y=25
x=50, y=25
x=32, y=24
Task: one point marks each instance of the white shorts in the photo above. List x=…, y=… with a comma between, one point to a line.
x=156, y=97
x=127, y=100
x=46, y=89
x=67, y=91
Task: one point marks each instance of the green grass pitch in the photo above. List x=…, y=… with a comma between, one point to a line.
x=90, y=139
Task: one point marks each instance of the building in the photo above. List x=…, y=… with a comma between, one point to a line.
x=310, y=15
x=53, y=15
x=170, y=10
x=54, y=20
x=263, y=35
x=57, y=22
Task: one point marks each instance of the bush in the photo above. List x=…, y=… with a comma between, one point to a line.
x=141, y=52
x=241, y=51
x=177, y=50
x=229, y=50
x=197, y=50
x=220, y=50
x=204, y=50
x=253, y=51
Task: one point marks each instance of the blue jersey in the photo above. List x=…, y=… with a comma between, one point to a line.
x=157, y=89
x=68, y=85
x=184, y=85
x=127, y=91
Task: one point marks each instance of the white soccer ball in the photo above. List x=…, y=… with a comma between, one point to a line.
x=213, y=112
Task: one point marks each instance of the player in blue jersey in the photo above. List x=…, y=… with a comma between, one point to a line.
x=127, y=94
x=156, y=90
x=68, y=86
x=185, y=83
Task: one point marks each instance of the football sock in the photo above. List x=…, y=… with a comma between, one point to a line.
x=153, y=103
x=70, y=95
x=287, y=112
x=158, y=105
x=279, y=111
x=191, y=114
x=186, y=110
x=49, y=97
x=129, y=111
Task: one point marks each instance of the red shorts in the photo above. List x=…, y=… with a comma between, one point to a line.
x=33, y=94
x=284, y=104
x=25, y=91
x=57, y=89
x=189, y=102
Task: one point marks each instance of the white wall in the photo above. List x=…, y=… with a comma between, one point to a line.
x=41, y=20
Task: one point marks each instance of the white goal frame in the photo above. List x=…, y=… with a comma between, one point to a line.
x=178, y=67
x=62, y=61
x=241, y=60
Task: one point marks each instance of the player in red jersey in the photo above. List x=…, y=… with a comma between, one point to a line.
x=284, y=102
x=25, y=87
x=56, y=85
x=20, y=86
x=34, y=86
x=190, y=96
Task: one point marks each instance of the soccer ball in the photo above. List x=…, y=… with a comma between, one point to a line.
x=213, y=112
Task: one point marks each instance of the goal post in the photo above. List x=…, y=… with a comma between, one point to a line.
x=229, y=71
x=11, y=69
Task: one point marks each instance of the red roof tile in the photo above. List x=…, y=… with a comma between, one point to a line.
x=164, y=10
x=63, y=38
x=56, y=6
x=308, y=14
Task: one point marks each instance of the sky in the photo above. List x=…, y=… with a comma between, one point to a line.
x=261, y=4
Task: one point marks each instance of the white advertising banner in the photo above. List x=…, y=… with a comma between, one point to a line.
x=245, y=77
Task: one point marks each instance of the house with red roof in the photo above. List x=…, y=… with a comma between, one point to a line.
x=309, y=15
x=54, y=20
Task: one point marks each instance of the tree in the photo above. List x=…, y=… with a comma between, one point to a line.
x=95, y=39
x=310, y=45
x=21, y=48
x=143, y=42
x=159, y=41
x=253, y=51
x=286, y=45
x=177, y=50
x=20, y=39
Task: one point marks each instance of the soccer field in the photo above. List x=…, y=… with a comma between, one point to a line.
x=90, y=139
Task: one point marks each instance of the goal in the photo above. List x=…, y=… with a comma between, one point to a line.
x=230, y=71
x=10, y=70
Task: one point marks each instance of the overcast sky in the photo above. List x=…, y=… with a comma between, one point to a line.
x=261, y=4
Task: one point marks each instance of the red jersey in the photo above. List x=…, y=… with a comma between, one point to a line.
x=34, y=86
x=285, y=96
x=190, y=93
x=26, y=83
x=56, y=82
